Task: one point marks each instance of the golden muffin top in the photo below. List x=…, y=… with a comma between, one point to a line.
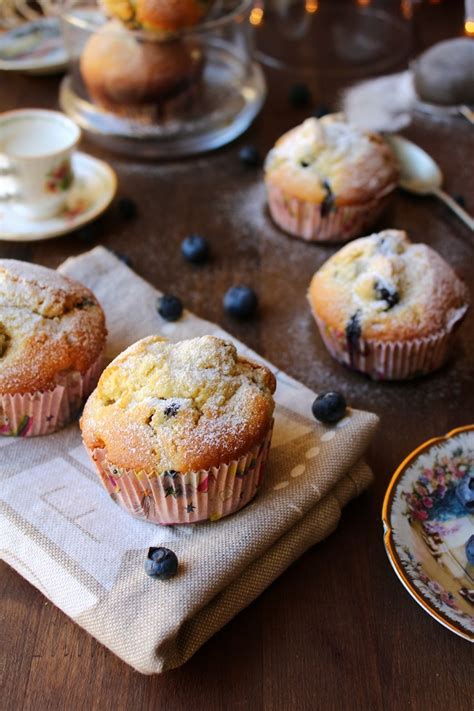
x=181, y=406
x=329, y=158
x=48, y=324
x=157, y=15
x=388, y=289
x=121, y=69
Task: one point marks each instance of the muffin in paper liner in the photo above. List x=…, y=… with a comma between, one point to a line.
x=328, y=180
x=173, y=497
x=311, y=222
x=388, y=307
x=45, y=412
x=390, y=360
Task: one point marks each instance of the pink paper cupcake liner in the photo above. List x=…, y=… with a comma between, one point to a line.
x=174, y=498
x=304, y=219
x=44, y=412
x=389, y=360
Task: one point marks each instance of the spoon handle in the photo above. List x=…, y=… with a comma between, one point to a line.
x=453, y=205
x=467, y=113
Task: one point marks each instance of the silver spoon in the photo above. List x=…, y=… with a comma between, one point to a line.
x=420, y=174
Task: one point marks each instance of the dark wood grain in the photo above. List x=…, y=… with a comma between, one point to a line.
x=337, y=630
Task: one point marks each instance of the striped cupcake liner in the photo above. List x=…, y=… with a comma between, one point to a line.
x=390, y=360
x=44, y=412
x=172, y=497
x=304, y=219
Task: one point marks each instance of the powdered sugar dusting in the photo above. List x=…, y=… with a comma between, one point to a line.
x=48, y=324
x=331, y=154
x=176, y=406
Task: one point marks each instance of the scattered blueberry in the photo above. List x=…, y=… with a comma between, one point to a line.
x=88, y=233
x=465, y=491
x=169, y=307
x=299, y=96
x=125, y=259
x=329, y=407
x=460, y=199
x=470, y=550
x=240, y=301
x=249, y=155
x=195, y=249
x=320, y=111
x=127, y=208
x=161, y=563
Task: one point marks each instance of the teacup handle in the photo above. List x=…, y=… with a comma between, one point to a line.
x=7, y=170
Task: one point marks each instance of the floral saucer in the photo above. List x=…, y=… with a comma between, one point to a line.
x=94, y=187
x=427, y=524
x=34, y=47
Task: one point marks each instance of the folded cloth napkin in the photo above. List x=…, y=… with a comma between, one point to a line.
x=61, y=531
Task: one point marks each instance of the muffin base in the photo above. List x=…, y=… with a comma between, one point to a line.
x=172, y=497
x=389, y=360
x=45, y=412
x=150, y=113
x=303, y=219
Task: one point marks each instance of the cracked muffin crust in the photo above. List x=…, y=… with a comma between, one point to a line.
x=392, y=288
x=183, y=407
x=382, y=289
x=328, y=169
x=123, y=73
x=330, y=157
x=50, y=325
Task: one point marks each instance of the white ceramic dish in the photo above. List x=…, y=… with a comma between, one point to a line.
x=95, y=184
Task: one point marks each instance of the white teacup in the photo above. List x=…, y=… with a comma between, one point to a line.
x=36, y=147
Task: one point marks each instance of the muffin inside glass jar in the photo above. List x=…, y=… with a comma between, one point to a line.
x=135, y=78
x=161, y=78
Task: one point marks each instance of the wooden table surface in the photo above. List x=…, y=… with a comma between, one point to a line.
x=337, y=630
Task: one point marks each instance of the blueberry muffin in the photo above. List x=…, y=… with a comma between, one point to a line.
x=135, y=78
x=52, y=336
x=158, y=15
x=387, y=307
x=328, y=180
x=180, y=432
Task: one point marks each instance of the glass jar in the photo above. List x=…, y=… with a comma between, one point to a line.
x=161, y=94
x=333, y=39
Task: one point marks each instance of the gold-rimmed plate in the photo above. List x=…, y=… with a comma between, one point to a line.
x=428, y=521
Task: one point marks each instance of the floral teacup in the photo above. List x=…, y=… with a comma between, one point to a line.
x=36, y=147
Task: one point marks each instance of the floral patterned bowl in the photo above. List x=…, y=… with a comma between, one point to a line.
x=427, y=527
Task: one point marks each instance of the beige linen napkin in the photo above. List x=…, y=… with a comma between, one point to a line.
x=61, y=531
